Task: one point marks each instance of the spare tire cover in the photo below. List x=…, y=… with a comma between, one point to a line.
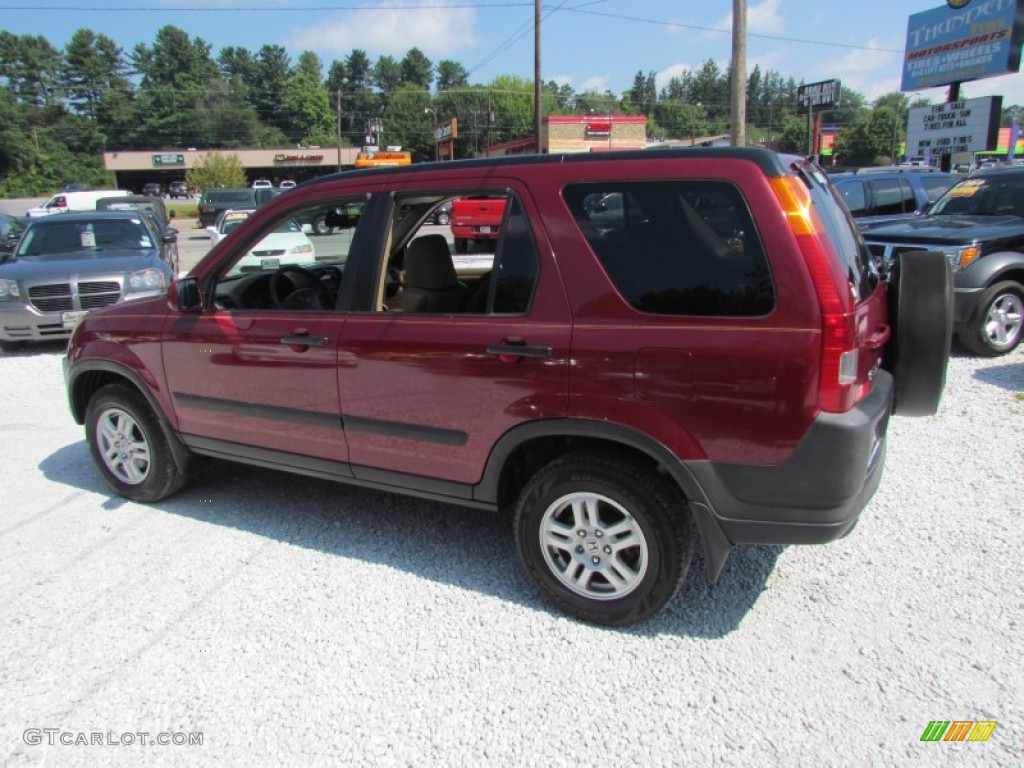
x=921, y=314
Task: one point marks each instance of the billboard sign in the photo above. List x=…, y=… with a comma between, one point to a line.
x=954, y=45
x=168, y=159
x=822, y=95
x=969, y=125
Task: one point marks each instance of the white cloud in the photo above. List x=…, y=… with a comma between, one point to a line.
x=869, y=71
x=392, y=32
x=598, y=84
x=675, y=70
x=762, y=19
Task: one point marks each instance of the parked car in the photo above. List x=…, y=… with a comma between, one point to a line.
x=11, y=228
x=66, y=266
x=725, y=361
x=285, y=245
x=442, y=214
x=287, y=184
x=152, y=189
x=65, y=202
x=979, y=226
x=261, y=184
x=213, y=201
x=877, y=196
x=154, y=208
x=178, y=189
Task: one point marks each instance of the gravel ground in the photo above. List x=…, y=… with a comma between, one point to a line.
x=295, y=622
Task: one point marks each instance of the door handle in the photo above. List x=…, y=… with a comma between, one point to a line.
x=304, y=340
x=515, y=350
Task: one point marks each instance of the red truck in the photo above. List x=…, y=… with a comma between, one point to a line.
x=477, y=219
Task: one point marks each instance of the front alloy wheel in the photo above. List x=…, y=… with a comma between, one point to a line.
x=123, y=446
x=998, y=327
x=129, y=446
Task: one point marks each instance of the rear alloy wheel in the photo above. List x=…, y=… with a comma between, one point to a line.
x=604, y=538
x=443, y=218
x=921, y=314
x=128, y=445
x=998, y=325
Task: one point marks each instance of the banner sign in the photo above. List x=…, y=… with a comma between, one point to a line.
x=970, y=125
x=168, y=159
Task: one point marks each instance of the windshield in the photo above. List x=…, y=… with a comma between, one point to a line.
x=995, y=195
x=58, y=240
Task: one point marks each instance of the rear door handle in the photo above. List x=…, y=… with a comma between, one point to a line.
x=519, y=350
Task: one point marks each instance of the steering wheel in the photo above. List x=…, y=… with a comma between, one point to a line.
x=307, y=290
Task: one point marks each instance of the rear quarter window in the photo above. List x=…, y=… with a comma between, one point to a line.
x=676, y=247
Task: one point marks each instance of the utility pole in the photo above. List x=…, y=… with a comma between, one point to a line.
x=738, y=92
x=536, y=76
x=338, y=94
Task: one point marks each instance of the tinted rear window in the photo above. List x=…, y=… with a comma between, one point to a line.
x=239, y=196
x=676, y=247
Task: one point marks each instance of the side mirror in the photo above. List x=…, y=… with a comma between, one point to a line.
x=170, y=235
x=212, y=230
x=185, y=296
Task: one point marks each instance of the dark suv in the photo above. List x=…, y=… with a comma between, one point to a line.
x=880, y=195
x=979, y=226
x=663, y=343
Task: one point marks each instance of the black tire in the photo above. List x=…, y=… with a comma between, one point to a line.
x=652, y=555
x=998, y=323
x=921, y=315
x=12, y=346
x=444, y=218
x=461, y=245
x=116, y=414
x=320, y=225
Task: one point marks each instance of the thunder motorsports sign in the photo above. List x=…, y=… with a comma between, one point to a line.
x=953, y=45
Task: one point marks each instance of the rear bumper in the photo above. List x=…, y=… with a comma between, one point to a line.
x=816, y=496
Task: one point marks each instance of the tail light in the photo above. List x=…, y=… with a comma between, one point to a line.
x=840, y=351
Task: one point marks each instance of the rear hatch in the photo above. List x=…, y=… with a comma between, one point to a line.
x=850, y=291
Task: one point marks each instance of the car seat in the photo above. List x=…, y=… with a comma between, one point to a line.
x=431, y=284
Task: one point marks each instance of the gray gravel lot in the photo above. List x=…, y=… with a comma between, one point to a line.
x=296, y=622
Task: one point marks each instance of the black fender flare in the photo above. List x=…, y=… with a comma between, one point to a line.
x=716, y=544
x=78, y=403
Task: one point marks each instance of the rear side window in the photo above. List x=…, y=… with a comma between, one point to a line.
x=853, y=194
x=891, y=196
x=676, y=247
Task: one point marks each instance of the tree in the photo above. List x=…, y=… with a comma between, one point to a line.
x=450, y=74
x=417, y=69
x=387, y=75
x=309, y=106
x=272, y=71
x=216, y=170
x=93, y=66
x=408, y=123
x=309, y=64
x=643, y=96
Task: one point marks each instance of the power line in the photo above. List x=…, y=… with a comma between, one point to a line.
x=680, y=25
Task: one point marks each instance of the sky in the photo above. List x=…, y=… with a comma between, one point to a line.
x=587, y=44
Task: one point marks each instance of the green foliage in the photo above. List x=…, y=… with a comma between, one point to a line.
x=216, y=170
